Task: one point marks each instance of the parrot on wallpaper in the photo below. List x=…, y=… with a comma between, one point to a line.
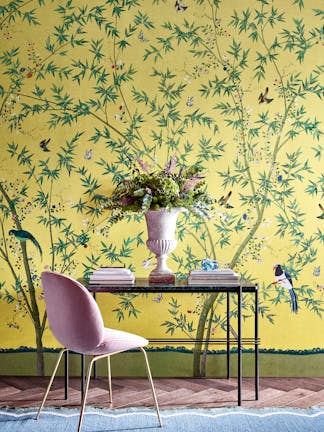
x=23, y=236
x=284, y=279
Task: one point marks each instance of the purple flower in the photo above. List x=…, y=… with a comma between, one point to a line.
x=170, y=166
x=191, y=183
x=143, y=165
x=127, y=200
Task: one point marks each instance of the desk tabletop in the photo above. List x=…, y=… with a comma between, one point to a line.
x=143, y=286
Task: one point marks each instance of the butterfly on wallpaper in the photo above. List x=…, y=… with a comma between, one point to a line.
x=44, y=144
x=141, y=37
x=158, y=298
x=88, y=154
x=321, y=216
x=146, y=264
x=190, y=101
x=179, y=6
x=317, y=271
x=263, y=97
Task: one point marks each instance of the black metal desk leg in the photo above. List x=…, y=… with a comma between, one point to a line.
x=228, y=335
x=66, y=374
x=239, y=346
x=256, y=342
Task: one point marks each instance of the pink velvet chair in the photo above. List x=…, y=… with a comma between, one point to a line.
x=76, y=322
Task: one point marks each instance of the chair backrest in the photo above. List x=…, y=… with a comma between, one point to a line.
x=73, y=315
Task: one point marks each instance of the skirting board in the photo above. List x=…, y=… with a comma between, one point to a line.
x=172, y=363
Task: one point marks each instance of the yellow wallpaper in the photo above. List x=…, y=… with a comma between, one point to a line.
x=233, y=87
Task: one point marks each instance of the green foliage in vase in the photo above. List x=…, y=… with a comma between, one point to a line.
x=167, y=188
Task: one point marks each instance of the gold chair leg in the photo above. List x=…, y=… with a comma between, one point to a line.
x=85, y=394
x=152, y=385
x=50, y=382
x=109, y=379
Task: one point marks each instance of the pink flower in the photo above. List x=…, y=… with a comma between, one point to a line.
x=191, y=183
x=143, y=165
x=169, y=166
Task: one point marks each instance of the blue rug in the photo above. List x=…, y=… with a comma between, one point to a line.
x=178, y=420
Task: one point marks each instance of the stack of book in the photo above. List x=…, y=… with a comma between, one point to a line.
x=112, y=276
x=221, y=277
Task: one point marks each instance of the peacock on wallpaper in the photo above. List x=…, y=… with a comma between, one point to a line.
x=232, y=87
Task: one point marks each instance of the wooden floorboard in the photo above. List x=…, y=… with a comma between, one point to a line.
x=172, y=392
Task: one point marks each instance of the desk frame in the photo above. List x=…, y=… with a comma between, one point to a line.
x=142, y=287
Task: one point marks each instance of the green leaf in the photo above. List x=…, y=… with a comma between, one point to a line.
x=152, y=52
x=300, y=3
x=141, y=18
x=30, y=17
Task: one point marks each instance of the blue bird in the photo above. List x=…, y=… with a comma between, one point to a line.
x=284, y=279
x=23, y=236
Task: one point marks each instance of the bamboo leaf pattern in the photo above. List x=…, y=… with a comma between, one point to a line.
x=231, y=91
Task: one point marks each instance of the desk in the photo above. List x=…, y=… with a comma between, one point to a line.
x=142, y=286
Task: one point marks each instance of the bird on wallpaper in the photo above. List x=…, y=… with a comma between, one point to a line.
x=223, y=201
x=23, y=236
x=44, y=143
x=179, y=6
x=321, y=216
x=263, y=97
x=284, y=279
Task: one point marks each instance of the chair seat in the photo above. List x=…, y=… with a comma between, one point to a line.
x=115, y=341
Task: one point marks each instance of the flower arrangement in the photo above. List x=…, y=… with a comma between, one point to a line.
x=166, y=188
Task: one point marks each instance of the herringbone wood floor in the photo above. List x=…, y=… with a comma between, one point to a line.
x=171, y=392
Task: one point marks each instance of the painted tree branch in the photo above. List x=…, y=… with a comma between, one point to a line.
x=34, y=311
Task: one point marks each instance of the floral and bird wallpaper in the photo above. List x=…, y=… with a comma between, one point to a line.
x=91, y=91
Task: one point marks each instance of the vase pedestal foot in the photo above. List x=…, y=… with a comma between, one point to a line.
x=162, y=278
